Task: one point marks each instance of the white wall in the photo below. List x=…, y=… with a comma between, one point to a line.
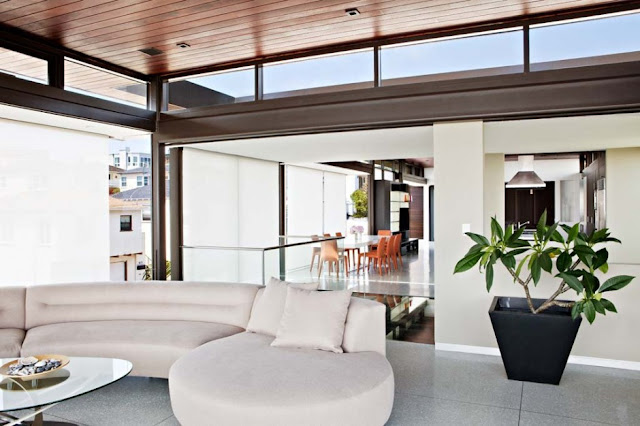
x=125, y=242
x=54, y=211
x=459, y=173
x=462, y=299
x=228, y=201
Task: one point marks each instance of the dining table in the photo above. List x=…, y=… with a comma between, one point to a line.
x=357, y=243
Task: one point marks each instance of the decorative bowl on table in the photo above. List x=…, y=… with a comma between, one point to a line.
x=33, y=367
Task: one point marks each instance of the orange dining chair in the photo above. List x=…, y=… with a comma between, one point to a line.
x=379, y=256
x=329, y=253
x=352, y=253
x=314, y=253
x=382, y=233
x=393, y=251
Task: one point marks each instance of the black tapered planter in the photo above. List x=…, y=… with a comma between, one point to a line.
x=534, y=347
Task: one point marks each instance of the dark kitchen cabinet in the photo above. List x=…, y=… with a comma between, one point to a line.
x=527, y=205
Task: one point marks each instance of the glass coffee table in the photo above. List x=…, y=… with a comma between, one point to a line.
x=80, y=376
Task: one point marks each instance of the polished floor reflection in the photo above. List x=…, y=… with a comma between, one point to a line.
x=415, y=278
x=432, y=388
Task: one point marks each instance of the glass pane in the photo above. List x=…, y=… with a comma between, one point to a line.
x=471, y=56
x=24, y=66
x=586, y=42
x=103, y=84
x=227, y=87
x=319, y=74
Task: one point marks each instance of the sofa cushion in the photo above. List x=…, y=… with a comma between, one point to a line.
x=152, y=346
x=249, y=382
x=12, y=307
x=313, y=320
x=10, y=342
x=149, y=300
x=269, y=305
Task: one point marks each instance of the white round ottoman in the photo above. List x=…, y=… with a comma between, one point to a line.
x=242, y=380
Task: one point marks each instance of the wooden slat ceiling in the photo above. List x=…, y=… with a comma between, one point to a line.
x=225, y=31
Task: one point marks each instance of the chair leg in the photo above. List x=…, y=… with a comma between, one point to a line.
x=346, y=267
x=321, y=264
x=313, y=260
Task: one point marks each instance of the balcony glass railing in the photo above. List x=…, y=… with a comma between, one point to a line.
x=287, y=258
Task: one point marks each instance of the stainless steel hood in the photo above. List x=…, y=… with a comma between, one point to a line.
x=526, y=177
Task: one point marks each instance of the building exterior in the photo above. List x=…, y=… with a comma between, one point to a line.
x=127, y=260
x=125, y=159
x=134, y=178
x=114, y=178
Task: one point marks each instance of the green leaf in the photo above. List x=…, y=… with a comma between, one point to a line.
x=557, y=237
x=600, y=258
x=467, y=262
x=572, y=282
x=564, y=261
x=576, y=310
x=489, y=276
x=521, y=264
x=604, y=268
x=616, y=283
x=573, y=232
x=519, y=244
x=475, y=249
x=598, y=236
x=599, y=306
x=542, y=224
x=478, y=239
x=608, y=305
x=590, y=283
x=545, y=262
x=517, y=234
x=509, y=261
x=496, y=229
x=585, y=254
x=536, y=270
x=589, y=311
x=508, y=232
x=611, y=240
x=550, y=231
x=517, y=251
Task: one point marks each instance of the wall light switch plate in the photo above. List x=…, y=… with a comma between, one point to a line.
x=466, y=227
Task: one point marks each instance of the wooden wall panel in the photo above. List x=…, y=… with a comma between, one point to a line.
x=416, y=212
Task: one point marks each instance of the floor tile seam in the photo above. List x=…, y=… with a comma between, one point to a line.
x=164, y=420
x=571, y=417
x=456, y=400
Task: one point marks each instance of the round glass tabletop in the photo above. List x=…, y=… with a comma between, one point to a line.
x=80, y=376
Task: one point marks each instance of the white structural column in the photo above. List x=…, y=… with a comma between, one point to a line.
x=459, y=171
x=493, y=189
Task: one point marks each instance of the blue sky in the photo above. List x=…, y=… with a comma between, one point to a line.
x=595, y=37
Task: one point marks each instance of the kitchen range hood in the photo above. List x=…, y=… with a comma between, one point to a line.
x=526, y=178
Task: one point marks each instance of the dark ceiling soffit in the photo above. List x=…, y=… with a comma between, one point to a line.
x=414, y=179
x=22, y=41
x=351, y=165
x=39, y=97
x=589, y=90
x=573, y=13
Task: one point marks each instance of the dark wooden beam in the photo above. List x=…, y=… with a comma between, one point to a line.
x=26, y=94
x=565, y=92
x=351, y=165
x=158, y=215
x=175, y=170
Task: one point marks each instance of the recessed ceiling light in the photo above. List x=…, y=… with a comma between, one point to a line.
x=352, y=12
x=151, y=51
x=183, y=45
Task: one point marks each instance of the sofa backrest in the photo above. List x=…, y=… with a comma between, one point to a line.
x=147, y=300
x=12, y=307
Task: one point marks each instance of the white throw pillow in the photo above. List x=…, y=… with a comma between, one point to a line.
x=267, y=312
x=314, y=320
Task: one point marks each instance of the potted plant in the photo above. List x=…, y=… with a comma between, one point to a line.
x=535, y=336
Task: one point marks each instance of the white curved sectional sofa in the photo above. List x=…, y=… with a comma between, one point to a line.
x=171, y=329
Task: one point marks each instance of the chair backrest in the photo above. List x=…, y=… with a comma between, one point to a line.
x=314, y=238
x=329, y=250
x=326, y=235
x=338, y=234
x=385, y=232
x=382, y=247
x=391, y=250
x=398, y=243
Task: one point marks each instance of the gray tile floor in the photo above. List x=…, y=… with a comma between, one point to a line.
x=432, y=388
